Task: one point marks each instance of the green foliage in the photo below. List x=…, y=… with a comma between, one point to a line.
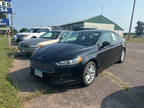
x=14, y=31
x=23, y=30
x=135, y=39
x=139, y=28
x=2, y=15
x=3, y=32
x=8, y=93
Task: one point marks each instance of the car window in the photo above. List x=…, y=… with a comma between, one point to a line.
x=65, y=34
x=32, y=30
x=105, y=37
x=51, y=35
x=115, y=37
x=82, y=38
x=43, y=30
x=71, y=39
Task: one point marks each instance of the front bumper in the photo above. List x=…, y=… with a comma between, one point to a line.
x=25, y=50
x=16, y=40
x=61, y=75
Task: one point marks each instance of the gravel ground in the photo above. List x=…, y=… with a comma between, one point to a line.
x=103, y=93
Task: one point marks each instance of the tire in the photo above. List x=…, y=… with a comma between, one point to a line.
x=122, y=57
x=89, y=74
x=33, y=37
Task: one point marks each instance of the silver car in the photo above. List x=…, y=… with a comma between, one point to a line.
x=28, y=46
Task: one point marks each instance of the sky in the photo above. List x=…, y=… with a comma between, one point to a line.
x=31, y=13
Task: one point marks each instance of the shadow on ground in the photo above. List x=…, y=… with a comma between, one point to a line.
x=134, y=98
x=28, y=83
x=20, y=56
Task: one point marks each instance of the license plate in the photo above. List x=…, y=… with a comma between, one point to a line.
x=38, y=73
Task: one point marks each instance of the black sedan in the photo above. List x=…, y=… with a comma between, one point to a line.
x=78, y=58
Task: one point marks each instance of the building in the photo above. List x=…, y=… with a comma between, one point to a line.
x=99, y=22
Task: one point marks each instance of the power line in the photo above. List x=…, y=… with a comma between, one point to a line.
x=102, y=9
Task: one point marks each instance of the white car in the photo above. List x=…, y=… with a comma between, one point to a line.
x=31, y=33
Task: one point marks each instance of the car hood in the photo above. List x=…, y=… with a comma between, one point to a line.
x=34, y=41
x=48, y=42
x=59, y=51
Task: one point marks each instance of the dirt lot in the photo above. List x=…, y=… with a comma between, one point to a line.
x=105, y=92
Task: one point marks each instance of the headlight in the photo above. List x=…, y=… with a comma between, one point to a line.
x=15, y=36
x=33, y=46
x=26, y=35
x=70, y=62
x=39, y=46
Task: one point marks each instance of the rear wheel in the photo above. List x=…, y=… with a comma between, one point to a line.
x=89, y=74
x=34, y=37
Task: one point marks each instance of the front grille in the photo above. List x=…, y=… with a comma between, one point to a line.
x=42, y=65
x=20, y=36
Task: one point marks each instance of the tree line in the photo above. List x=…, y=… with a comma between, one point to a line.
x=139, y=29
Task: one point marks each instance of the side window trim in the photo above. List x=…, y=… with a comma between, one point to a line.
x=116, y=36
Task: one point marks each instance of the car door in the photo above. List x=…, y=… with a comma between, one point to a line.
x=117, y=46
x=105, y=54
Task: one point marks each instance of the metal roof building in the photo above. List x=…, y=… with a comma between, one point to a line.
x=99, y=22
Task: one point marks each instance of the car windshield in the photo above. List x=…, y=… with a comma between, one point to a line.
x=51, y=35
x=82, y=38
x=32, y=31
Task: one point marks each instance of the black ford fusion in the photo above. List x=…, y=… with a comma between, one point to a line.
x=78, y=58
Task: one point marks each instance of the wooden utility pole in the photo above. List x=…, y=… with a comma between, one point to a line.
x=12, y=24
x=9, y=34
x=9, y=38
x=131, y=19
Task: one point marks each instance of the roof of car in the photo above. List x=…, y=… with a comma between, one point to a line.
x=63, y=30
x=41, y=27
x=100, y=31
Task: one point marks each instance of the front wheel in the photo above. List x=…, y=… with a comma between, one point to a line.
x=122, y=57
x=89, y=74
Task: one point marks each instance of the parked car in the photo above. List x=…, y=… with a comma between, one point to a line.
x=28, y=46
x=78, y=58
x=31, y=33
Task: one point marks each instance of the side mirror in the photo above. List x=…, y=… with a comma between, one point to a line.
x=105, y=43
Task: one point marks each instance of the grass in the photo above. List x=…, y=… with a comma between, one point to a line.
x=9, y=93
x=38, y=93
x=135, y=39
x=117, y=80
x=9, y=97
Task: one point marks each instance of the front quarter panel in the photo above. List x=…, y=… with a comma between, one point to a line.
x=90, y=55
x=124, y=42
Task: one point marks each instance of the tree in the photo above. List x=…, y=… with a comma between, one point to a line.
x=14, y=31
x=139, y=28
x=2, y=15
x=23, y=30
